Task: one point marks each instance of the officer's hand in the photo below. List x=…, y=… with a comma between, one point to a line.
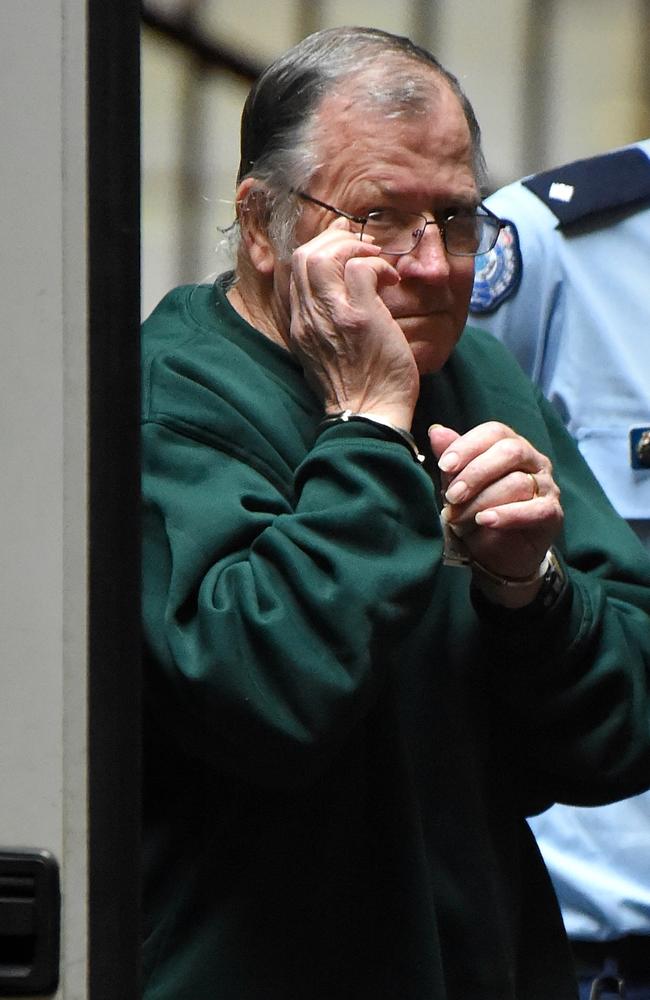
x=350, y=346
x=501, y=500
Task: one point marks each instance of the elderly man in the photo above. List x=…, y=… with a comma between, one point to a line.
x=353, y=701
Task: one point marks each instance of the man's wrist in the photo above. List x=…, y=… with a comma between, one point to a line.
x=507, y=598
x=394, y=432
x=508, y=591
x=398, y=412
x=541, y=591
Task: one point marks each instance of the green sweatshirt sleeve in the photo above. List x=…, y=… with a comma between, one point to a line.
x=270, y=610
x=575, y=683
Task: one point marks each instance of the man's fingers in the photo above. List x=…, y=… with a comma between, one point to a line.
x=514, y=487
x=364, y=276
x=470, y=472
x=440, y=438
x=518, y=514
x=504, y=506
x=322, y=264
x=474, y=443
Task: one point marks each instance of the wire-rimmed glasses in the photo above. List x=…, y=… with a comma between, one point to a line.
x=464, y=233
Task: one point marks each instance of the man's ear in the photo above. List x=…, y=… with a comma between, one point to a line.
x=253, y=215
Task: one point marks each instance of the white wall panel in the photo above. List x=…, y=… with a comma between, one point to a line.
x=42, y=444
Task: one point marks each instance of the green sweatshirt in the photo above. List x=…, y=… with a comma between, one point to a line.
x=342, y=742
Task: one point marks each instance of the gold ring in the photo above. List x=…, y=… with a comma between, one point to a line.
x=535, y=485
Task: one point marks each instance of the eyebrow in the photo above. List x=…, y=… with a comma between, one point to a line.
x=463, y=202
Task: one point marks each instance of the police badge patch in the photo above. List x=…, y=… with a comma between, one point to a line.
x=497, y=274
x=640, y=447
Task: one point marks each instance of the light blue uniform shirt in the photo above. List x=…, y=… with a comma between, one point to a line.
x=571, y=299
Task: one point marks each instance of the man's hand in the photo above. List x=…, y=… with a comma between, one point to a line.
x=501, y=500
x=350, y=346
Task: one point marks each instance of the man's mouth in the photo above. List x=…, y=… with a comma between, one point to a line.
x=419, y=313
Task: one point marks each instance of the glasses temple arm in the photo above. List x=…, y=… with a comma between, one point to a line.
x=360, y=219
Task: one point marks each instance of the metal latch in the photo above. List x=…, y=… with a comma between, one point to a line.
x=30, y=905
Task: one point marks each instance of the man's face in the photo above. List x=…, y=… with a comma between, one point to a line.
x=421, y=163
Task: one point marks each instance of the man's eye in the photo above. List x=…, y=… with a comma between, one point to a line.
x=387, y=217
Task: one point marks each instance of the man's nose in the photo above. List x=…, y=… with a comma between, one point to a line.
x=429, y=260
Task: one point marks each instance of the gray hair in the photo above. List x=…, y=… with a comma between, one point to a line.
x=278, y=127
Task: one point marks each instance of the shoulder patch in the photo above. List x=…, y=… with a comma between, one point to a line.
x=497, y=274
x=587, y=188
x=640, y=447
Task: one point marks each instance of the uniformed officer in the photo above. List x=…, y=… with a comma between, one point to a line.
x=566, y=288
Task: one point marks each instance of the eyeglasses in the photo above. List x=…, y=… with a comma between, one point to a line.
x=464, y=234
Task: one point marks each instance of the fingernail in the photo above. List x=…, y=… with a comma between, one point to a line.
x=457, y=492
x=449, y=461
x=488, y=518
x=432, y=427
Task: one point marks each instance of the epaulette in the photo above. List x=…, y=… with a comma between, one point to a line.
x=590, y=187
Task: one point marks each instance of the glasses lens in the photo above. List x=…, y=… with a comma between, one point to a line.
x=470, y=235
x=466, y=235
x=395, y=232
